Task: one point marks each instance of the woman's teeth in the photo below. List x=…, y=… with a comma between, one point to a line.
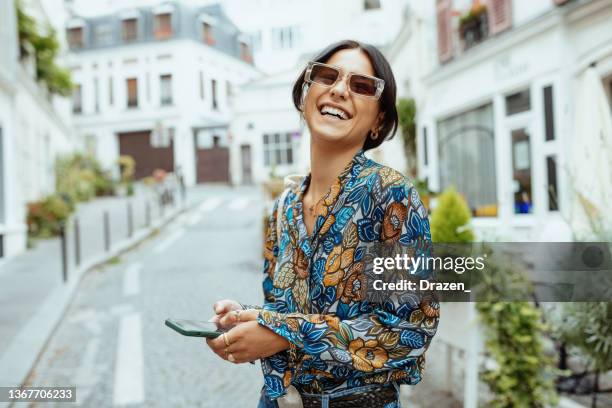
x=328, y=110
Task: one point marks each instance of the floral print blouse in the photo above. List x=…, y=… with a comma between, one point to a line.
x=314, y=286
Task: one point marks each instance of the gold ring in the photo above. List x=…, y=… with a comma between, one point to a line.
x=231, y=358
x=225, y=339
x=237, y=314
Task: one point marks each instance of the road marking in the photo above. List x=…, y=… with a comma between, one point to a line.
x=194, y=219
x=131, y=279
x=171, y=239
x=129, y=384
x=239, y=203
x=210, y=204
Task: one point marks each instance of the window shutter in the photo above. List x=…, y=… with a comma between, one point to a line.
x=445, y=40
x=500, y=15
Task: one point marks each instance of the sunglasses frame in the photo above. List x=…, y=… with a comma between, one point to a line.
x=380, y=83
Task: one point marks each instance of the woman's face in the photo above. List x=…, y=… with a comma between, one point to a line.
x=362, y=112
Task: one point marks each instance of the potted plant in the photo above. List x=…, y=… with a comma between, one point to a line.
x=473, y=25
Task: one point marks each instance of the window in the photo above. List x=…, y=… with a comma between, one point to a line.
x=103, y=34
x=229, y=90
x=466, y=145
x=96, y=95
x=77, y=99
x=213, y=87
x=245, y=53
x=284, y=37
x=445, y=31
x=499, y=15
x=132, y=92
x=111, y=91
x=518, y=102
x=371, y=4
x=165, y=85
x=75, y=37
x=551, y=177
x=425, y=153
x=549, y=117
x=521, y=171
x=278, y=148
x=163, y=26
x=201, y=85
x=207, y=33
x=130, y=29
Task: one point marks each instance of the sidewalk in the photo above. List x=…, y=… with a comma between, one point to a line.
x=33, y=295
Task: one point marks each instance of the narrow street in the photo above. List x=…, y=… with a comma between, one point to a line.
x=112, y=343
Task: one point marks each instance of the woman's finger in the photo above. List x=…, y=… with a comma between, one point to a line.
x=225, y=305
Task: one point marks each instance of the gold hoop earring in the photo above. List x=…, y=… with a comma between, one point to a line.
x=374, y=134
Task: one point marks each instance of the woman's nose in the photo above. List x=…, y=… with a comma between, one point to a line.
x=340, y=88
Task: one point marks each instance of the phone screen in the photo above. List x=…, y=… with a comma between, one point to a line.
x=194, y=328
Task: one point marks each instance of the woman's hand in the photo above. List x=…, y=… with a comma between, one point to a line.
x=248, y=341
x=222, y=308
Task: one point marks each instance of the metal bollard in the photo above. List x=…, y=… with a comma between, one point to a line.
x=64, y=252
x=77, y=242
x=107, y=238
x=129, y=220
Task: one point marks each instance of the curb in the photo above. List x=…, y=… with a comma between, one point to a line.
x=24, y=350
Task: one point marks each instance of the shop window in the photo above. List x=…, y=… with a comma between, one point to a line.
x=518, y=102
x=466, y=145
x=521, y=171
x=549, y=116
x=551, y=177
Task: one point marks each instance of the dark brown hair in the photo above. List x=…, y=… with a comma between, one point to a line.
x=382, y=70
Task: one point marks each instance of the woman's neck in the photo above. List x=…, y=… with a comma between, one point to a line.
x=325, y=167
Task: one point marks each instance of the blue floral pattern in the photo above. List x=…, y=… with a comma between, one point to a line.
x=314, y=286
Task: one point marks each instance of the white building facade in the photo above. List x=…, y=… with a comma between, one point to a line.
x=496, y=120
x=267, y=135
x=35, y=128
x=156, y=83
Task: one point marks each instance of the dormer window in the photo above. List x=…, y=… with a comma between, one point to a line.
x=75, y=37
x=245, y=52
x=163, y=26
x=208, y=36
x=208, y=24
x=130, y=29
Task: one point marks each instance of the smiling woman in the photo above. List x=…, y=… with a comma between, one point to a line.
x=318, y=336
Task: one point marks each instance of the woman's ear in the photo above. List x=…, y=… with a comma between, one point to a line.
x=303, y=96
x=378, y=122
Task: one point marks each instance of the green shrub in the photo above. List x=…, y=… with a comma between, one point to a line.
x=45, y=217
x=81, y=178
x=451, y=218
x=46, y=48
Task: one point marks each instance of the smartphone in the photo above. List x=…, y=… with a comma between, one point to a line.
x=195, y=328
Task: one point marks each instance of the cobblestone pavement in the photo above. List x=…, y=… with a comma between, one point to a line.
x=211, y=252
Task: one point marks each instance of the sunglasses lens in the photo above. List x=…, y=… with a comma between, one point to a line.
x=324, y=75
x=363, y=85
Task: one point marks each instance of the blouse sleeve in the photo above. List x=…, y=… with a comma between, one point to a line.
x=392, y=334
